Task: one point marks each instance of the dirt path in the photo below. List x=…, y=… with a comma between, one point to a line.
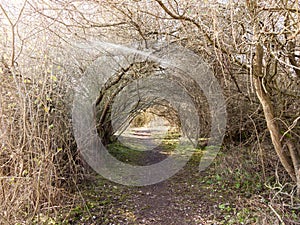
x=181, y=199
x=174, y=201
x=189, y=197
x=178, y=200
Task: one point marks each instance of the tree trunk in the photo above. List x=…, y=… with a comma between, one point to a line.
x=296, y=162
x=269, y=113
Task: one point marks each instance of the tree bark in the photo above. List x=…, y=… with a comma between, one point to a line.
x=267, y=105
x=296, y=162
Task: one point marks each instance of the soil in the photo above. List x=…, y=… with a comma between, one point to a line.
x=189, y=197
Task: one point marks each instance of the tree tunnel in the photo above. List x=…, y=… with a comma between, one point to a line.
x=137, y=89
x=168, y=82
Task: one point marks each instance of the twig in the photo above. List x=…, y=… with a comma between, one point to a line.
x=278, y=216
x=84, y=201
x=290, y=127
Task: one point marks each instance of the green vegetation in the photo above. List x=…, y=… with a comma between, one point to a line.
x=238, y=193
x=125, y=154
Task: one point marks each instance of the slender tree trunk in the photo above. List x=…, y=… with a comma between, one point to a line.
x=269, y=113
x=290, y=158
x=296, y=162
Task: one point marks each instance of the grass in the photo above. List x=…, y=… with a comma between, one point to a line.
x=124, y=153
x=232, y=188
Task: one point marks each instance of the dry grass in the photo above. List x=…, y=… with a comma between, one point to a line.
x=36, y=149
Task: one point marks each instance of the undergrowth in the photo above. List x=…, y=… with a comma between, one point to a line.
x=37, y=149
